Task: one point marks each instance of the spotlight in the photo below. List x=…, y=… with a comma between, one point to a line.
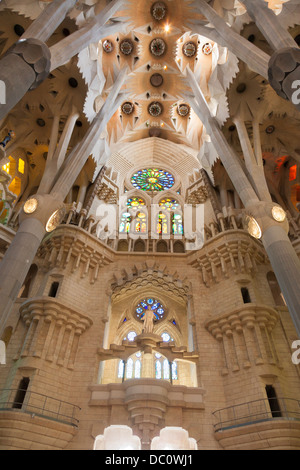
x=30, y=206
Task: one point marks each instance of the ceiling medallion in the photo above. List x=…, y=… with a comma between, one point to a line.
x=127, y=108
x=108, y=46
x=158, y=47
x=158, y=11
x=156, y=80
x=189, y=49
x=126, y=47
x=207, y=48
x=270, y=129
x=183, y=110
x=155, y=109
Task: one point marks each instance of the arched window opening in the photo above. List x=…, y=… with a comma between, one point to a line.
x=164, y=369
x=170, y=217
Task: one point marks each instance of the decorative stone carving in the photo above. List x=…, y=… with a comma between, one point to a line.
x=127, y=108
x=155, y=109
x=37, y=55
x=207, y=48
x=183, y=110
x=158, y=47
x=159, y=11
x=156, y=80
x=189, y=49
x=108, y=46
x=126, y=47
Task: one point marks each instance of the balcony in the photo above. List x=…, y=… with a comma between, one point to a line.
x=32, y=421
x=39, y=405
x=259, y=424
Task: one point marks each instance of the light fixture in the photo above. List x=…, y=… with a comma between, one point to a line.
x=30, y=206
x=55, y=219
x=167, y=28
x=253, y=227
x=278, y=214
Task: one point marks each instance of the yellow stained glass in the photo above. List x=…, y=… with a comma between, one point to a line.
x=21, y=166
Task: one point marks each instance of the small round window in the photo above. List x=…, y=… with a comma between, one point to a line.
x=150, y=303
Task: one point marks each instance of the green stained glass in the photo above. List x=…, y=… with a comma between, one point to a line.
x=152, y=179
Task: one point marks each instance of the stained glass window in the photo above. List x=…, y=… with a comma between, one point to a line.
x=166, y=337
x=137, y=369
x=131, y=336
x=129, y=369
x=135, y=202
x=172, y=206
x=174, y=371
x=132, y=219
x=121, y=370
x=162, y=368
x=150, y=304
x=125, y=223
x=152, y=179
x=158, y=370
x=166, y=368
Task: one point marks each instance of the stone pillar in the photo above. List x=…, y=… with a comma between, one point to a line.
x=20, y=254
x=224, y=35
x=94, y=31
x=284, y=65
x=281, y=253
x=283, y=258
x=269, y=24
x=26, y=64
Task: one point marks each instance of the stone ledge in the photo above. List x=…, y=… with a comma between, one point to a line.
x=275, y=434
x=22, y=431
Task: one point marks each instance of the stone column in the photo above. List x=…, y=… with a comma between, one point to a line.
x=284, y=65
x=224, y=35
x=21, y=253
x=273, y=233
x=95, y=30
x=269, y=24
x=26, y=64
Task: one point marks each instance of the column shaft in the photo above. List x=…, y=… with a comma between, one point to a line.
x=16, y=263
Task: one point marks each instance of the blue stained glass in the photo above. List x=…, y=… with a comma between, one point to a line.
x=146, y=304
x=151, y=179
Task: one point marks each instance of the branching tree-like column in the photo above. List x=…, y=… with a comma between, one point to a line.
x=31, y=59
x=43, y=211
x=264, y=219
x=220, y=32
x=26, y=64
x=284, y=66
